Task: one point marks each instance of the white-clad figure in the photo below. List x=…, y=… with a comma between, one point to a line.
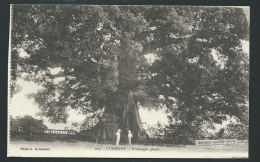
x=129, y=137
x=118, y=136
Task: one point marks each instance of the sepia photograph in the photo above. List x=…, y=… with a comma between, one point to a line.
x=128, y=81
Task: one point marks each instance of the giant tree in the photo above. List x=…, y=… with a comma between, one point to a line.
x=101, y=51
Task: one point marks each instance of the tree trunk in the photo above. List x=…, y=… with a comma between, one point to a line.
x=131, y=120
x=121, y=113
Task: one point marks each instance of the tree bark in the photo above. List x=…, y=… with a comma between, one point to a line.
x=123, y=115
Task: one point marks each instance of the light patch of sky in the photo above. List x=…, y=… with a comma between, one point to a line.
x=152, y=117
x=56, y=70
x=245, y=46
x=59, y=79
x=150, y=57
x=22, y=53
x=20, y=104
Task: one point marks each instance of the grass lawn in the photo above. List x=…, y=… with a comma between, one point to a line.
x=88, y=149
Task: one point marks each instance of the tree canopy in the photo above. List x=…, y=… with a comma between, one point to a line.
x=102, y=52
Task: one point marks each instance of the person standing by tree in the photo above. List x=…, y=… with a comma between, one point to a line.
x=129, y=137
x=118, y=136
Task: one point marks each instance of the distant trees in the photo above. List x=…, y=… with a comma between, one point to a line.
x=27, y=124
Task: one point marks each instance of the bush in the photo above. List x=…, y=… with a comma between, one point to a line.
x=27, y=124
x=236, y=131
x=183, y=134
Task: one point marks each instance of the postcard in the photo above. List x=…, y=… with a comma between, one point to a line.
x=128, y=81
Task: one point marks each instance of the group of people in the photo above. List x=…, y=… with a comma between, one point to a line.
x=118, y=137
